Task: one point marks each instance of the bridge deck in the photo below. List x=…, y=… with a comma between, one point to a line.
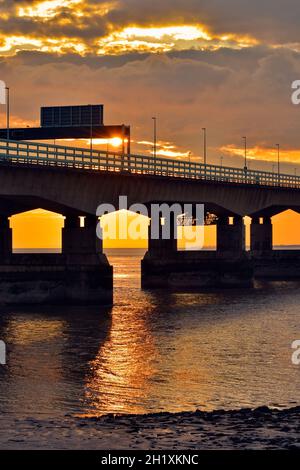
x=32, y=153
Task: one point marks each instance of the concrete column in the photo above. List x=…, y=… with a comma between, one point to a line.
x=91, y=242
x=81, y=240
x=261, y=235
x=231, y=238
x=5, y=238
x=162, y=246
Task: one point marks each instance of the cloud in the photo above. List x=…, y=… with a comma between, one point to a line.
x=239, y=93
x=233, y=78
x=118, y=26
x=272, y=21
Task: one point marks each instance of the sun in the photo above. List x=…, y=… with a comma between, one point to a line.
x=116, y=141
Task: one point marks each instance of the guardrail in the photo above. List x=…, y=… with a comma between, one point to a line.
x=32, y=153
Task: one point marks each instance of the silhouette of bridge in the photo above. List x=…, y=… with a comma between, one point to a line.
x=74, y=181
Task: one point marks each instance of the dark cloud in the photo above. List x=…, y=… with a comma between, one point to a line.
x=35, y=58
x=270, y=21
x=88, y=26
x=186, y=93
x=234, y=59
x=65, y=24
x=231, y=92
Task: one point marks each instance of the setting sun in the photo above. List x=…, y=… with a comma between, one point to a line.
x=116, y=142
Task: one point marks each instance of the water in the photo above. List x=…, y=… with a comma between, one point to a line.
x=153, y=351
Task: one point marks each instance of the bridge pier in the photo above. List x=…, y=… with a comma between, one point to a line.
x=80, y=242
x=163, y=247
x=5, y=239
x=271, y=264
x=230, y=237
x=80, y=274
x=229, y=266
x=261, y=236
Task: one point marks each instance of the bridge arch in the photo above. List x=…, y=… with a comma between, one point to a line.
x=275, y=227
x=286, y=230
x=37, y=230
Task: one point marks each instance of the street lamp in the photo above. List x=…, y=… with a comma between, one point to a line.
x=278, y=161
x=154, y=136
x=221, y=161
x=91, y=128
x=204, y=146
x=245, y=144
x=7, y=112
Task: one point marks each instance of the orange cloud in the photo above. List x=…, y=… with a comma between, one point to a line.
x=263, y=153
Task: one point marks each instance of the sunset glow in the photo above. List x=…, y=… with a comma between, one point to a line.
x=167, y=38
x=187, y=33
x=165, y=149
x=266, y=154
x=46, y=9
x=116, y=142
x=13, y=44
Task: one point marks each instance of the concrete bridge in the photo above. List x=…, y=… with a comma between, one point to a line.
x=75, y=181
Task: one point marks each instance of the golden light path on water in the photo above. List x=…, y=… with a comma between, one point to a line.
x=201, y=353
x=153, y=351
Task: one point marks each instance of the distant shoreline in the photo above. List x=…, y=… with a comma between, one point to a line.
x=130, y=251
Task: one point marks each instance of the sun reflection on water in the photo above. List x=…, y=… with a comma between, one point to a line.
x=153, y=351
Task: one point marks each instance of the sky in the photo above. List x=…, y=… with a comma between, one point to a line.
x=226, y=65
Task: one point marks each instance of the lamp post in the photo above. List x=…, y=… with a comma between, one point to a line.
x=154, y=136
x=123, y=141
x=204, y=146
x=91, y=128
x=221, y=161
x=245, y=148
x=278, y=162
x=7, y=112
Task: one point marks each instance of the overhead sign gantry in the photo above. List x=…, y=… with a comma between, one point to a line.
x=71, y=122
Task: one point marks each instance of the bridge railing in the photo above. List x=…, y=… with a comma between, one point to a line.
x=32, y=153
